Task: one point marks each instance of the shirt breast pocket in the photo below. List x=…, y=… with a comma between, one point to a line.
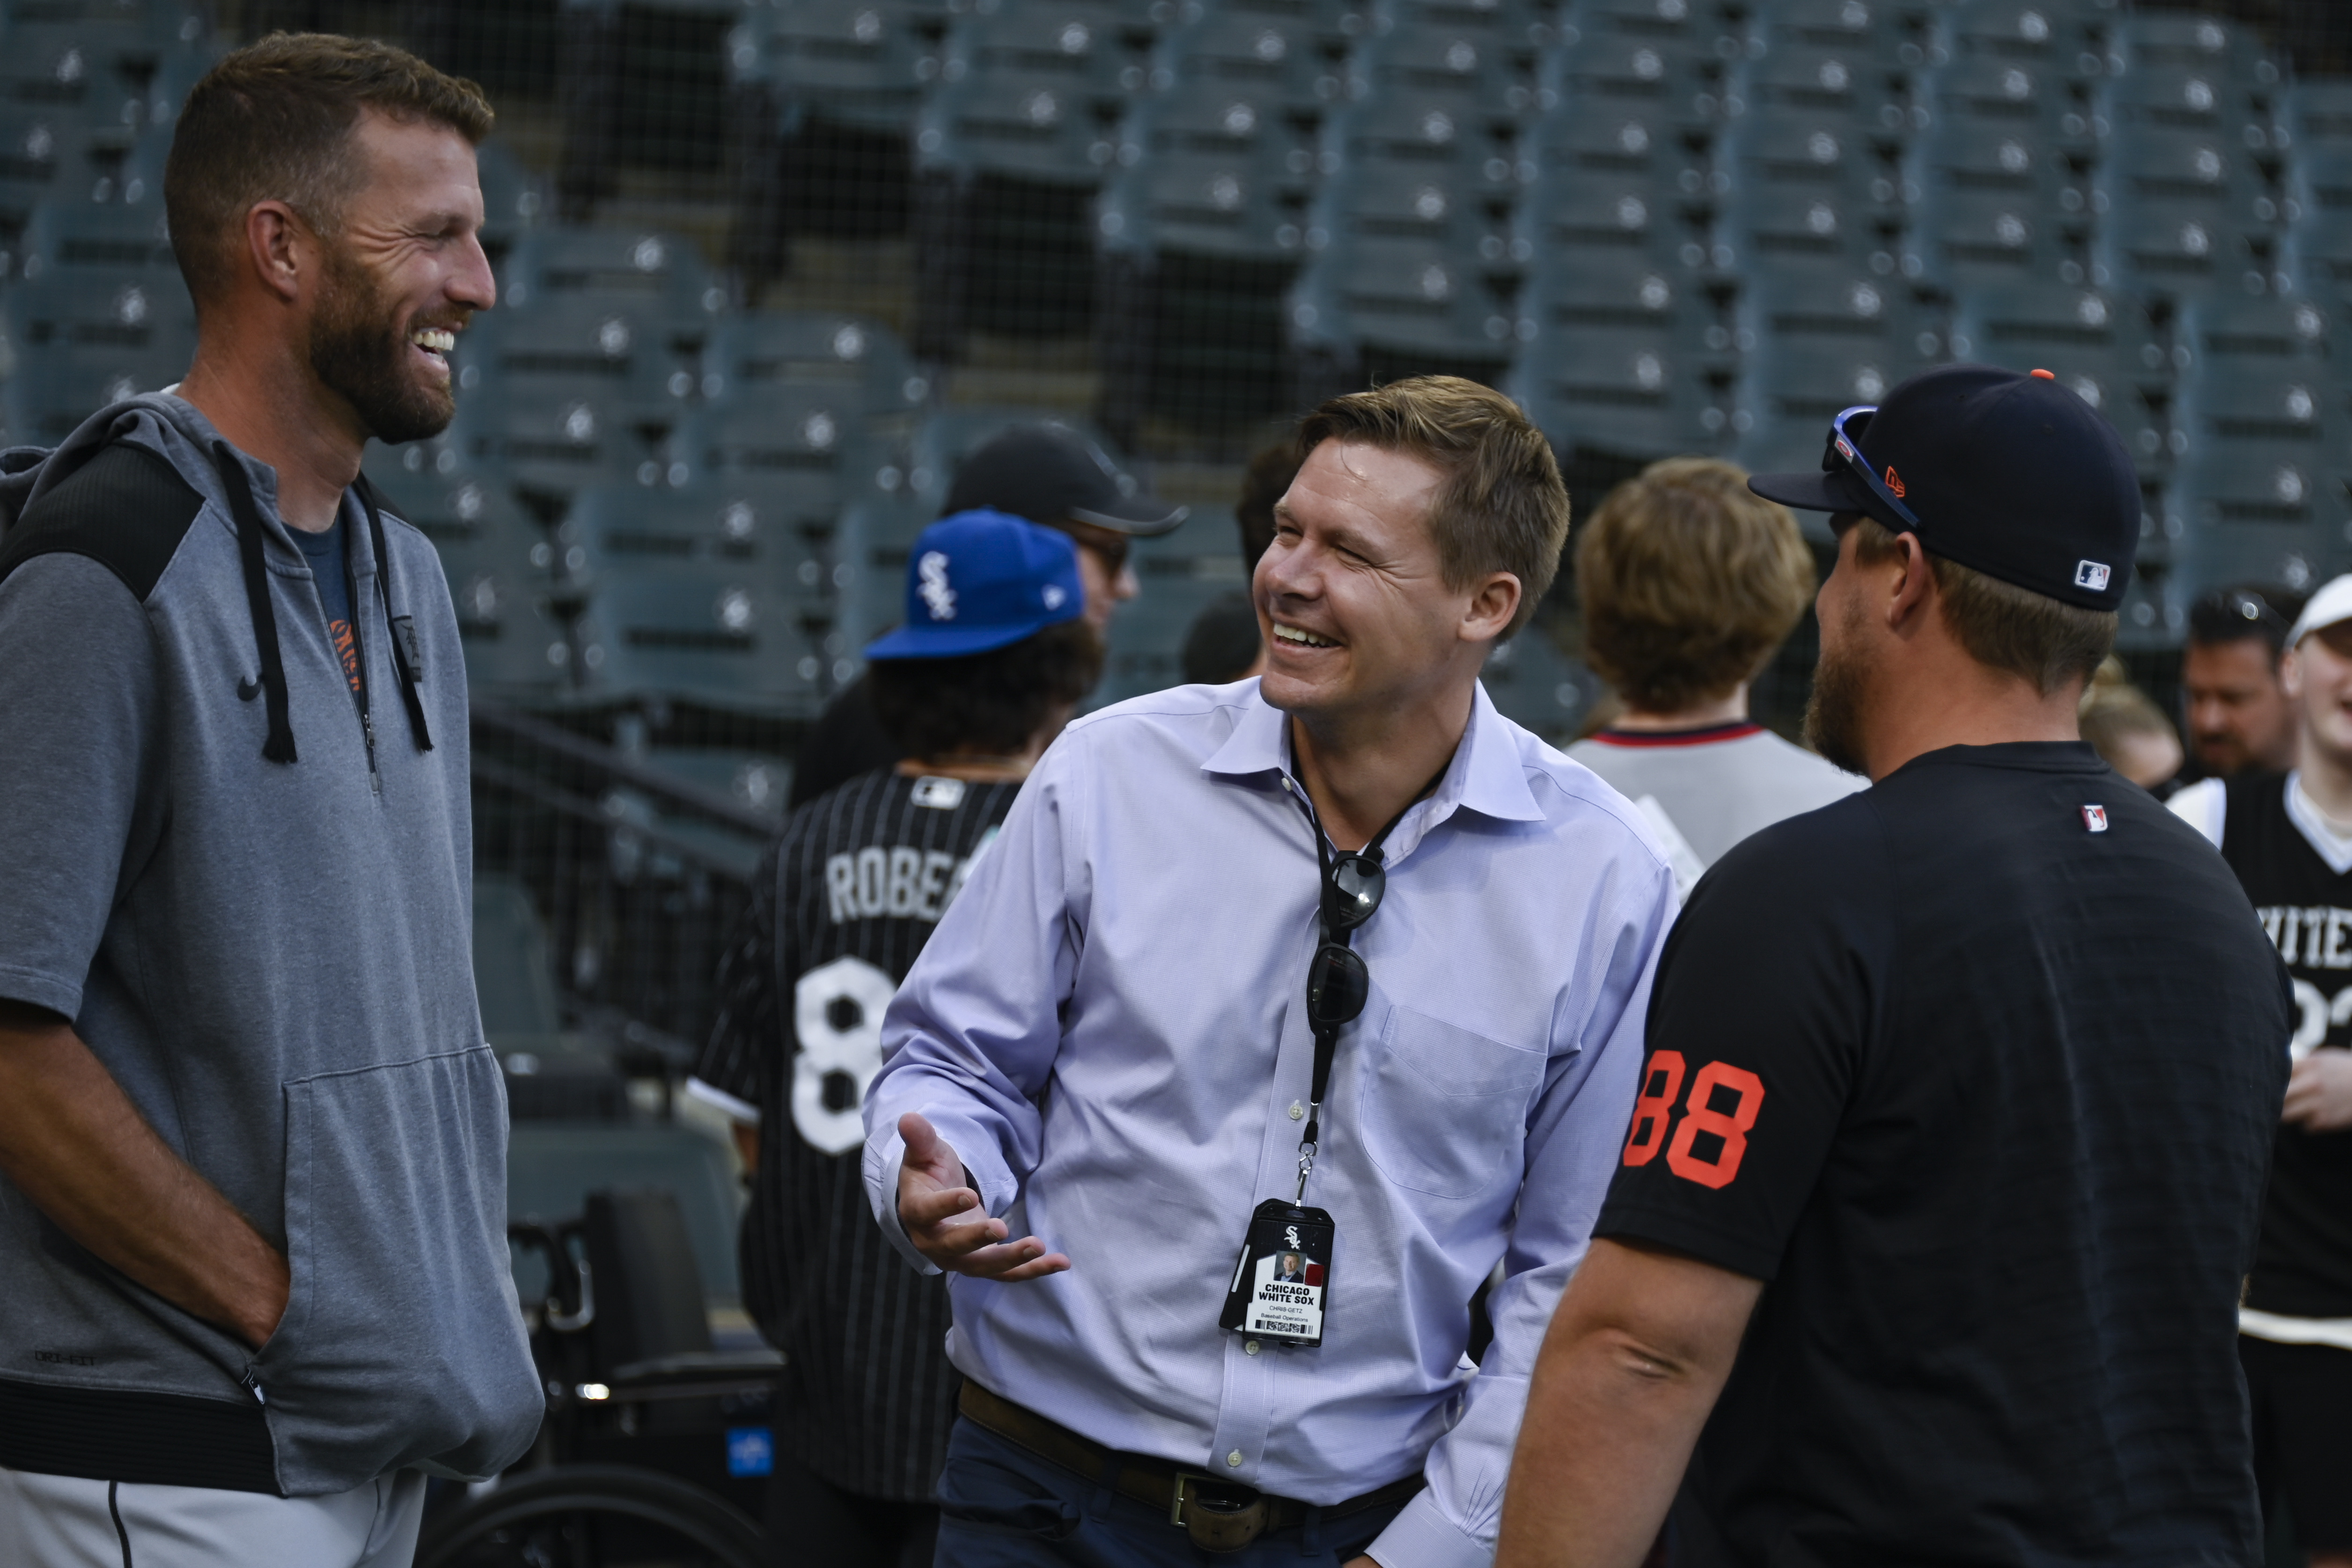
x=1443, y=1109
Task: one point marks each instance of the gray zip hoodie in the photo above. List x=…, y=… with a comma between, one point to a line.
x=258, y=914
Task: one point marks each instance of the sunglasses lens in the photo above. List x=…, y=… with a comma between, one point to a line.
x=1337, y=986
x=1354, y=888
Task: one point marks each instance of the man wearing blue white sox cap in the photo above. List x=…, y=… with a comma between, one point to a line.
x=1977, y=1067
x=993, y=658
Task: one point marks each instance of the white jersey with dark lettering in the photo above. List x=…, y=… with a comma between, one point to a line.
x=842, y=902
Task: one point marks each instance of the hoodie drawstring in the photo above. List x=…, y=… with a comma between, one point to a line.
x=279, y=746
x=404, y=652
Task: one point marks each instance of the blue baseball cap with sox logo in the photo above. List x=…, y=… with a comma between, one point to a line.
x=2012, y=474
x=982, y=580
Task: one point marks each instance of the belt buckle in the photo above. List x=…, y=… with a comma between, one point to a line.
x=1213, y=1527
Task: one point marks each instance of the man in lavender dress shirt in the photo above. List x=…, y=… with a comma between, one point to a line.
x=1106, y=1043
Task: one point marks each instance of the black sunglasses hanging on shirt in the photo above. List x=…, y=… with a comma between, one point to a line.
x=1281, y=1279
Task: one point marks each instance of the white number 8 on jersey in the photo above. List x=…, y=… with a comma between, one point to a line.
x=837, y=1009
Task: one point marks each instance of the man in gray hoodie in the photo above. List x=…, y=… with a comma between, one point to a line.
x=253, y=1274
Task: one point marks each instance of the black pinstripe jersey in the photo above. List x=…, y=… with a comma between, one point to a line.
x=843, y=902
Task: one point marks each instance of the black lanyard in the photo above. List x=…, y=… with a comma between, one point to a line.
x=1326, y=1037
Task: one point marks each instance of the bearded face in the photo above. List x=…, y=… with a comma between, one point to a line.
x=1833, y=711
x=392, y=370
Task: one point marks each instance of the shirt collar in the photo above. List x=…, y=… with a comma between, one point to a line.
x=1484, y=775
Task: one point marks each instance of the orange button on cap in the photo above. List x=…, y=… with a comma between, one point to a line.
x=2045, y=375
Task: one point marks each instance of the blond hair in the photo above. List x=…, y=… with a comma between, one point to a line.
x=1688, y=581
x=1502, y=506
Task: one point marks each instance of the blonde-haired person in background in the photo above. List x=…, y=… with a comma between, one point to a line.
x=2127, y=730
x=1689, y=583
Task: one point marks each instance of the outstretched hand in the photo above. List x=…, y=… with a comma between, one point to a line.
x=943, y=1218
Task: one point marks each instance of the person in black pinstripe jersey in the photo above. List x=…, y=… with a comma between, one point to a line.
x=990, y=662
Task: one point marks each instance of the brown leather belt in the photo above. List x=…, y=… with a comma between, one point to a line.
x=1219, y=1516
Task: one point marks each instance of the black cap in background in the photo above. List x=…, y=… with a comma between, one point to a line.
x=2013, y=474
x=1050, y=475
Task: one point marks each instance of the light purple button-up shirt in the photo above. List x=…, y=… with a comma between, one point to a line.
x=1108, y=1027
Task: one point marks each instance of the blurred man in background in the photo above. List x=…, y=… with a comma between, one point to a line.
x=1689, y=583
x=2240, y=720
x=1052, y=476
x=2290, y=842
x=2127, y=730
x=990, y=661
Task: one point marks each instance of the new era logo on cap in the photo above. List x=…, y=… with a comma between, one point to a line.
x=2095, y=817
x=2091, y=574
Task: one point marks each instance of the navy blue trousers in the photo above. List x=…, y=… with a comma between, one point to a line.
x=1000, y=1505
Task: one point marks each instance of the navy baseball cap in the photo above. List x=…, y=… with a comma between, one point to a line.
x=984, y=579
x=2011, y=474
x=1050, y=473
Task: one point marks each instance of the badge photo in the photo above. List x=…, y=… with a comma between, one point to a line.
x=1281, y=1279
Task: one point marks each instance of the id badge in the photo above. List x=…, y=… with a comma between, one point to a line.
x=1280, y=1279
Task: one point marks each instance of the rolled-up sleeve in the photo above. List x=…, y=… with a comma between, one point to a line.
x=1574, y=1137
x=970, y=1040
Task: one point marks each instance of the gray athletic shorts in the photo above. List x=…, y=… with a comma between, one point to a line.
x=64, y=1522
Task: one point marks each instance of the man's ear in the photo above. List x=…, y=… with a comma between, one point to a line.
x=276, y=244
x=2291, y=674
x=1491, y=609
x=1914, y=589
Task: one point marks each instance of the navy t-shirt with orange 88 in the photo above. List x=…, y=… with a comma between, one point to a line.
x=326, y=551
x=1978, y=1068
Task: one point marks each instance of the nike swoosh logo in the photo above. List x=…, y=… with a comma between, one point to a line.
x=246, y=690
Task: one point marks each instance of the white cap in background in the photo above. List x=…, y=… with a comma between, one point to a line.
x=2331, y=604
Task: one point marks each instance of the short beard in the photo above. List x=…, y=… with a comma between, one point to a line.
x=1833, y=711
x=358, y=349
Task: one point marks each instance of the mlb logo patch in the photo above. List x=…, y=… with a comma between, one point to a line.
x=2091, y=574
x=2095, y=817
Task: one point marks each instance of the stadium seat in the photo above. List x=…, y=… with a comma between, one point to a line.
x=1219, y=120
x=1196, y=252
x=554, y=443
x=2215, y=48
x=788, y=430
x=1176, y=576
x=1421, y=130
x=1567, y=212
x=2064, y=34
x=779, y=530
x=68, y=238
x=1962, y=240
x=1261, y=59
x=46, y=154
x=1832, y=86
x=2020, y=99
x=1844, y=30
x=1619, y=394
x=751, y=354
x=1470, y=67
x=707, y=633
x=609, y=349
x=1382, y=307
x=461, y=510
x=2178, y=215
x=2319, y=114
x=1677, y=82
x=515, y=647
x=50, y=390
x=514, y=201
x=615, y=264
x=514, y=973
x=128, y=312
x=1571, y=302
x=850, y=61
x=2258, y=489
